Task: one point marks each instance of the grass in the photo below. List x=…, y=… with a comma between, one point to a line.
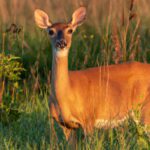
x=114, y=32
x=33, y=131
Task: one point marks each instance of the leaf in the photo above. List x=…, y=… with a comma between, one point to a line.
x=10, y=67
x=142, y=143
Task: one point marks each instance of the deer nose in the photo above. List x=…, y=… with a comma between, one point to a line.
x=61, y=43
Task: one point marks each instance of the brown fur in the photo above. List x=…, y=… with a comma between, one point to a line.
x=100, y=93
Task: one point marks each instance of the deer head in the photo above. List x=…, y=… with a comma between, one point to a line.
x=60, y=33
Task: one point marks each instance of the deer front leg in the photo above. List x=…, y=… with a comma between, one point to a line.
x=52, y=129
x=67, y=132
x=71, y=137
x=53, y=113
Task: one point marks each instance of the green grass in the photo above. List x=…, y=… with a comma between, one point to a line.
x=32, y=130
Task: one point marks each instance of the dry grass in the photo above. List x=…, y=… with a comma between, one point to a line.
x=16, y=11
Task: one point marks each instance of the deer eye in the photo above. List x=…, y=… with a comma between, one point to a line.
x=51, y=32
x=69, y=31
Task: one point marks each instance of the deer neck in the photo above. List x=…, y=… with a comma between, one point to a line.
x=60, y=75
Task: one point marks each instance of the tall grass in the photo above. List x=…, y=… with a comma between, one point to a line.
x=115, y=31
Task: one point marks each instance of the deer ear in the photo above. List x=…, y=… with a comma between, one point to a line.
x=41, y=19
x=78, y=17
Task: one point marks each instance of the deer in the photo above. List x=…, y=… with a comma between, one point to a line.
x=93, y=97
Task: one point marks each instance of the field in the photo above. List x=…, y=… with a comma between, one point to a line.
x=115, y=31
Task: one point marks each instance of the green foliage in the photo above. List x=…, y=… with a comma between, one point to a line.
x=10, y=67
x=33, y=131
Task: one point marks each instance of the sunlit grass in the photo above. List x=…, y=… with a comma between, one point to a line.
x=32, y=130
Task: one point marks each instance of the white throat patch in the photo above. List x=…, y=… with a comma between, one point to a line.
x=61, y=53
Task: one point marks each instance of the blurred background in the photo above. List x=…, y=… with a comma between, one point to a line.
x=115, y=31
x=117, y=22
x=21, y=12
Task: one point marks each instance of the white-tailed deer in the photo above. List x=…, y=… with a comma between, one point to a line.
x=93, y=97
